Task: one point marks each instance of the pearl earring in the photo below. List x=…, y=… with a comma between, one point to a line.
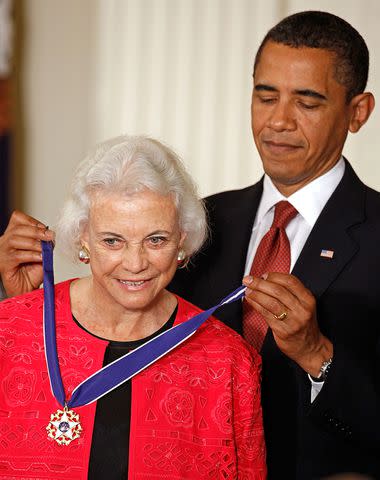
x=182, y=259
x=84, y=255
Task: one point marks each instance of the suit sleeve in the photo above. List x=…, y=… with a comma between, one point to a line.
x=348, y=312
x=348, y=403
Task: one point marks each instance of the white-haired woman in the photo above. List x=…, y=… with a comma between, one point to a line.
x=195, y=413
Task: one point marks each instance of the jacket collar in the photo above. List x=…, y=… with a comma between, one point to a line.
x=345, y=208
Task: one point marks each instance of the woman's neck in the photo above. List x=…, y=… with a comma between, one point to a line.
x=103, y=316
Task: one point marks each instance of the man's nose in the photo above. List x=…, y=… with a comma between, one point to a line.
x=282, y=117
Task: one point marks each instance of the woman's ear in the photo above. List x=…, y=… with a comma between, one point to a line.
x=84, y=236
x=362, y=106
x=182, y=239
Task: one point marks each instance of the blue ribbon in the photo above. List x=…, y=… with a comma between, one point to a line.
x=122, y=369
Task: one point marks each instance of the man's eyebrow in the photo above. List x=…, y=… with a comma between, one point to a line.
x=310, y=93
x=261, y=87
x=306, y=92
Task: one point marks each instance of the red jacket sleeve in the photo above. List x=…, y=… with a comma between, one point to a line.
x=247, y=416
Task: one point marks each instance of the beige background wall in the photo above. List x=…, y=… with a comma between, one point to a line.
x=179, y=70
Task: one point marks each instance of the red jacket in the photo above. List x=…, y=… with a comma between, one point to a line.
x=196, y=412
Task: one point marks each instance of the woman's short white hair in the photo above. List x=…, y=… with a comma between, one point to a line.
x=128, y=165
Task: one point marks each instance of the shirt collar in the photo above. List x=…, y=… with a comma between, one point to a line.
x=309, y=200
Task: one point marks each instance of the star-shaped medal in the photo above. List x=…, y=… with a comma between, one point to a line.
x=64, y=426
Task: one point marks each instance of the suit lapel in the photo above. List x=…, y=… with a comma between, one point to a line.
x=235, y=237
x=344, y=209
x=231, y=225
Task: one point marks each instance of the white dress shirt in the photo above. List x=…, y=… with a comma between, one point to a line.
x=309, y=202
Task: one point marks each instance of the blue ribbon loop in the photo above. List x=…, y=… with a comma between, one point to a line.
x=122, y=369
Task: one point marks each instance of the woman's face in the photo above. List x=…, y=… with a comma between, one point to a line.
x=133, y=243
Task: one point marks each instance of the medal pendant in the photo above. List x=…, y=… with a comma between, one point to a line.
x=64, y=426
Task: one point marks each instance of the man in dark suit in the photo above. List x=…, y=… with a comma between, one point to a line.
x=321, y=361
x=321, y=351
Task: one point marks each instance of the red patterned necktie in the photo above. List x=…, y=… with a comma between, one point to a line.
x=272, y=255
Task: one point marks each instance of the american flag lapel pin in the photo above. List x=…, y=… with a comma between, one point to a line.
x=327, y=253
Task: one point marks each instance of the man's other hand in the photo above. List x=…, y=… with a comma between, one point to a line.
x=20, y=253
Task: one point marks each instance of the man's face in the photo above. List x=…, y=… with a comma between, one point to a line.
x=300, y=117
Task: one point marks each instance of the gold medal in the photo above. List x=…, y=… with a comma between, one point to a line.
x=64, y=426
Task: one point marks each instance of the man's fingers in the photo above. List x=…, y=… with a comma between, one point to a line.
x=276, y=284
x=272, y=294
x=290, y=282
x=22, y=224
x=279, y=326
x=278, y=294
x=20, y=218
x=27, y=232
x=21, y=243
x=22, y=257
x=272, y=304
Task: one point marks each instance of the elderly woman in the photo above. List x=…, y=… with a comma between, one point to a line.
x=195, y=413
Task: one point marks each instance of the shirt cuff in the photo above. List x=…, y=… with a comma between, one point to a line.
x=316, y=387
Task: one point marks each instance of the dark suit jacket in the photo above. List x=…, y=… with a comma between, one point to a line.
x=339, y=432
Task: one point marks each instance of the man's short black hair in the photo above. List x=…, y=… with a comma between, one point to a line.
x=324, y=30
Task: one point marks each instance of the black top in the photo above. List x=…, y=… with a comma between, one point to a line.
x=109, y=456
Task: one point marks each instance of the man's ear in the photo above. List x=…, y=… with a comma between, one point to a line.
x=362, y=106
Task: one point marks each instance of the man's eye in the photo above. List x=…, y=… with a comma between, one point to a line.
x=267, y=100
x=309, y=106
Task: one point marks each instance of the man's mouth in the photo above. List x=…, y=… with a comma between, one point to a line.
x=280, y=148
x=273, y=144
x=280, y=143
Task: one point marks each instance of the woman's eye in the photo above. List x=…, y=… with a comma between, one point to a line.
x=111, y=242
x=156, y=240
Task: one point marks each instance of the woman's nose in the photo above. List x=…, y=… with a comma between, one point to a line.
x=134, y=258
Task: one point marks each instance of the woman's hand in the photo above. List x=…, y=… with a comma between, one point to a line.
x=20, y=253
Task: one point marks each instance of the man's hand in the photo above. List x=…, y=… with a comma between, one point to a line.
x=290, y=310
x=20, y=254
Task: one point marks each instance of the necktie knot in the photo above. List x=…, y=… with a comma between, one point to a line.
x=283, y=213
